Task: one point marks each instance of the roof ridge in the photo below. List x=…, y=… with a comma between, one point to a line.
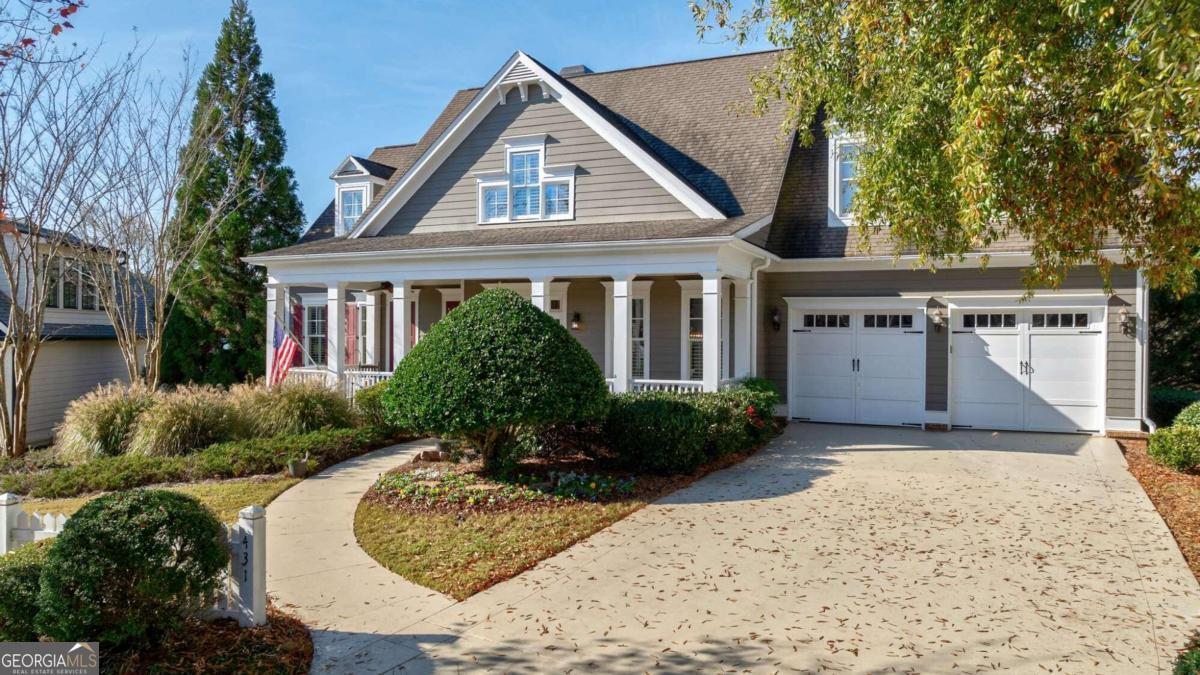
x=396, y=145
x=674, y=63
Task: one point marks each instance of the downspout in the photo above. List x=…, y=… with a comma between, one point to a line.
x=1142, y=347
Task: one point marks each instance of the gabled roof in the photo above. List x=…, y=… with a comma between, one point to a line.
x=361, y=166
x=685, y=115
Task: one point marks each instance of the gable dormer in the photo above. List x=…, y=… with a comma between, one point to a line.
x=357, y=182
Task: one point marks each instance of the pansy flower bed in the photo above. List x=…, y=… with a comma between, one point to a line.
x=450, y=488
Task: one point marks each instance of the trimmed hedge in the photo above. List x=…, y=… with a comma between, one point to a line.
x=234, y=459
x=130, y=566
x=20, y=579
x=674, y=433
x=369, y=402
x=1189, y=416
x=1176, y=446
x=1166, y=404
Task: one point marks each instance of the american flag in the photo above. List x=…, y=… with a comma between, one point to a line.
x=285, y=352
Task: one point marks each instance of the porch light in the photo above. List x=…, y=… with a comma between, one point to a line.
x=939, y=319
x=576, y=321
x=776, y=318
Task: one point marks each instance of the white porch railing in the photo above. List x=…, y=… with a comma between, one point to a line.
x=308, y=374
x=610, y=382
x=674, y=386
x=354, y=381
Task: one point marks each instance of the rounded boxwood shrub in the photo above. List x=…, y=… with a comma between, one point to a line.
x=660, y=433
x=1176, y=446
x=128, y=566
x=20, y=578
x=291, y=408
x=1166, y=403
x=184, y=420
x=1189, y=416
x=100, y=423
x=494, y=365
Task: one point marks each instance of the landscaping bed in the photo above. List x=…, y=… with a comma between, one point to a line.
x=462, y=532
x=1175, y=494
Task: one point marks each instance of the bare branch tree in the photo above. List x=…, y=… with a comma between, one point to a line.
x=141, y=245
x=55, y=114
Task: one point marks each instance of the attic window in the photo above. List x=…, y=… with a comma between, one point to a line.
x=843, y=178
x=526, y=189
x=352, y=204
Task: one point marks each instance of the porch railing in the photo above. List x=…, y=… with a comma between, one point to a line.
x=350, y=383
x=675, y=386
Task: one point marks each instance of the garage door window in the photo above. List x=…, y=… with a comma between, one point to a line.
x=826, y=320
x=989, y=321
x=1060, y=320
x=887, y=321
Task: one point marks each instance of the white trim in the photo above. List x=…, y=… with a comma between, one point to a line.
x=754, y=227
x=477, y=109
x=1122, y=424
x=888, y=262
x=450, y=295
x=1141, y=351
x=913, y=302
x=339, y=191
x=835, y=143
x=1047, y=301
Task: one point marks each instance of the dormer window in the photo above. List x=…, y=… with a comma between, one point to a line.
x=353, y=203
x=526, y=189
x=843, y=178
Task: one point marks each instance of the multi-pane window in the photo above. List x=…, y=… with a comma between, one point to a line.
x=1059, y=320
x=637, y=336
x=695, y=353
x=525, y=178
x=364, y=335
x=989, y=320
x=52, y=281
x=353, y=202
x=315, y=319
x=558, y=199
x=826, y=320
x=847, y=179
x=887, y=321
x=69, y=286
x=495, y=203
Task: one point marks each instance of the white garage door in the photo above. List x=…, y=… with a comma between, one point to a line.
x=1036, y=370
x=860, y=366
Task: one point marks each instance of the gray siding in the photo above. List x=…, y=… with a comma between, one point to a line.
x=66, y=370
x=937, y=371
x=776, y=286
x=587, y=298
x=665, y=330
x=609, y=188
x=429, y=309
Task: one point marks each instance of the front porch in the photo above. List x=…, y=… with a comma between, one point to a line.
x=666, y=332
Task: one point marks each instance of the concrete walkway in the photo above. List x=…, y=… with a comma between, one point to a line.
x=852, y=549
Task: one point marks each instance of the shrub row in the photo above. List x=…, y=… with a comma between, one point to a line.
x=233, y=459
x=116, y=419
x=1176, y=446
x=675, y=433
x=1166, y=404
x=127, y=567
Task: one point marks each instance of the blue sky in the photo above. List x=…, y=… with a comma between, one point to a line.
x=353, y=75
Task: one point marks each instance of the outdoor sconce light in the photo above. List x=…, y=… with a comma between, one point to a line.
x=776, y=318
x=576, y=321
x=939, y=319
x=1128, y=322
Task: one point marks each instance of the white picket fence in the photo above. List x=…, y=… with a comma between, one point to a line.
x=242, y=593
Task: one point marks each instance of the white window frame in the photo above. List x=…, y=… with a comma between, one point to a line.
x=640, y=294
x=309, y=302
x=56, y=296
x=836, y=144
x=363, y=339
x=547, y=174
x=690, y=290
x=342, y=191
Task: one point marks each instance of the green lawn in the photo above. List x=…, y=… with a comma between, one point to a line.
x=462, y=556
x=225, y=497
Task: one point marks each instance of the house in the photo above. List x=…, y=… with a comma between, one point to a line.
x=79, y=349
x=686, y=245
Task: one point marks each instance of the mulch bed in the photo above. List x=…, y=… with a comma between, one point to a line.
x=1176, y=495
x=282, y=646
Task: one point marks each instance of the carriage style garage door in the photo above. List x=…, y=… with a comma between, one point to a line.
x=1030, y=369
x=864, y=366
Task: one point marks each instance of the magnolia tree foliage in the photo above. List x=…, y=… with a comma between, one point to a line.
x=494, y=365
x=1072, y=123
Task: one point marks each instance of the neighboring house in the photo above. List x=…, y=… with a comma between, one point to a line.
x=686, y=245
x=79, y=350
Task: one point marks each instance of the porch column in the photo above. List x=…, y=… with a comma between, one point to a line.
x=537, y=292
x=277, y=307
x=742, y=320
x=335, y=329
x=622, y=363
x=711, y=288
x=401, y=318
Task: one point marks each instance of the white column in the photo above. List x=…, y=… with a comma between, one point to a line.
x=537, y=292
x=608, y=327
x=742, y=320
x=10, y=508
x=711, y=288
x=401, y=318
x=621, y=357
x=277, y=310
x=335, y=329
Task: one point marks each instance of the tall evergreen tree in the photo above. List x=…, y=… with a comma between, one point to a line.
x=216, y=333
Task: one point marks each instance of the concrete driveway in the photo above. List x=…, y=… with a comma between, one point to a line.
x=848, y=549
